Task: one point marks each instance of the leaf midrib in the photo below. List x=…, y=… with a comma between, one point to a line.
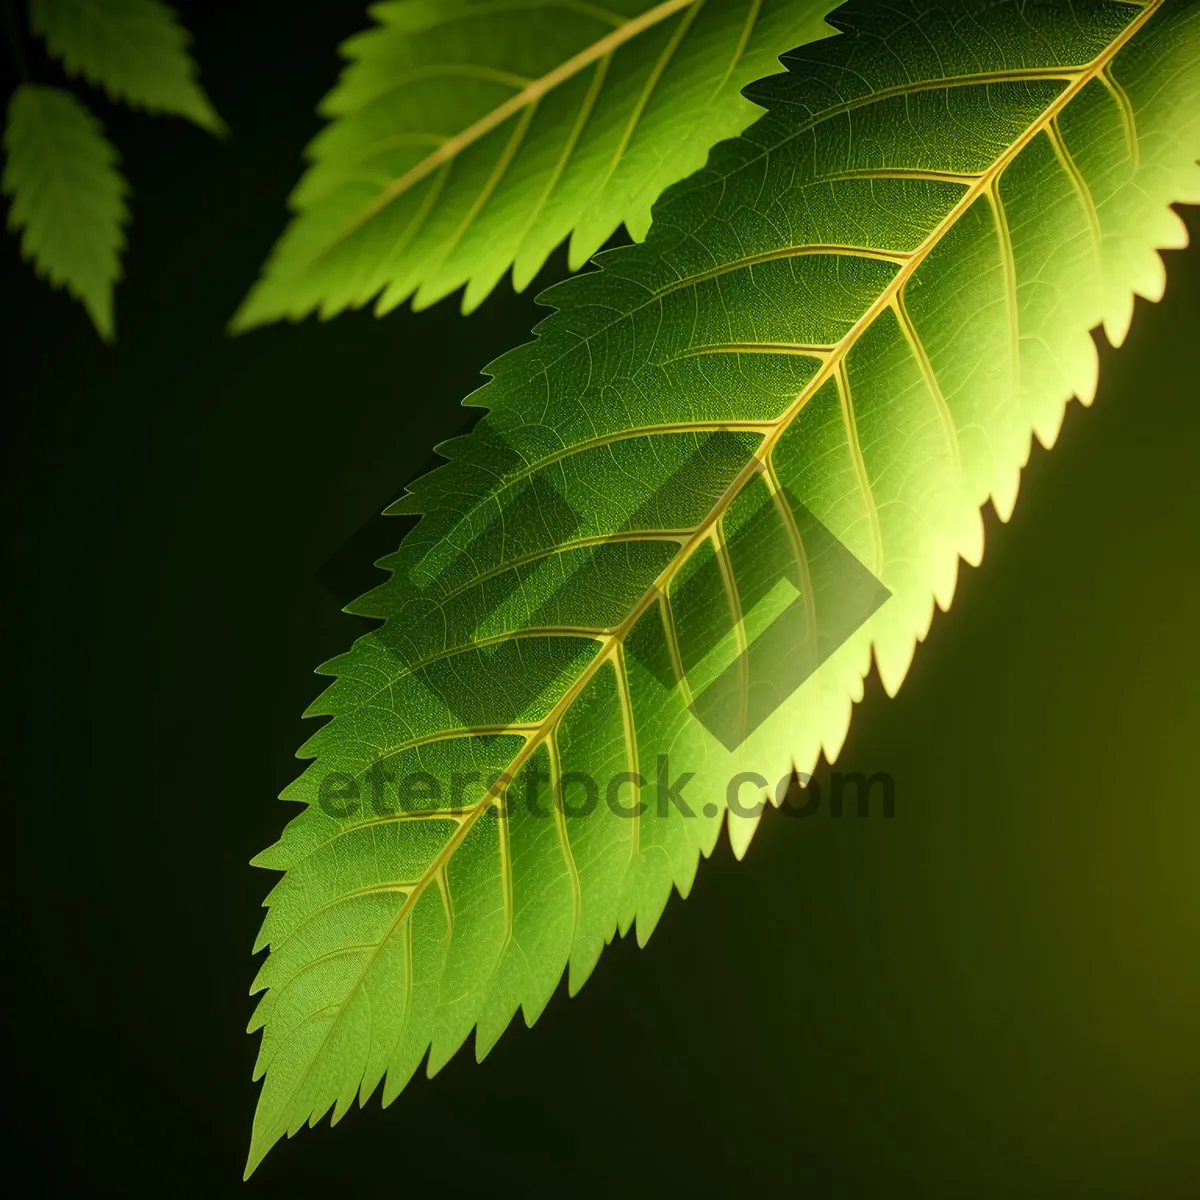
x=1081, y=77
x=612, y=650
x=526, y=96
x=916, y=87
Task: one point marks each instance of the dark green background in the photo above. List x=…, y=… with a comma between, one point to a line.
x=996, y=993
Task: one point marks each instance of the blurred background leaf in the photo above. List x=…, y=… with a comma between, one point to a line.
x=135, y=49
x=66, y=196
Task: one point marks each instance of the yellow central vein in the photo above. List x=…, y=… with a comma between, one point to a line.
x=493, y=180
x=413, y=227
x=614, y=646
x=514, y=104
x=1078, y=80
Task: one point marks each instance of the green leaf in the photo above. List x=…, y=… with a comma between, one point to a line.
x=469, y=136
x=836, y=340
x=135, y=49
x=66, y=196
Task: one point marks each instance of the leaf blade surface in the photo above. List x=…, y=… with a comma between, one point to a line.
x=67, y=198
x=469, y=137
x=851, y=321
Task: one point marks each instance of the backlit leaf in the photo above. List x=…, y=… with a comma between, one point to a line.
x=836, y=343
x=468, y=136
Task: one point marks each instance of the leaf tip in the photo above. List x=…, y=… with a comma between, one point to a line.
x=212, y=122
x=100, y=310
x=256, y=1155
x=248, y=315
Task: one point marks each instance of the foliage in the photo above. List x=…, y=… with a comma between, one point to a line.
x=468, y=136
x=852, y=320
x=67, y=197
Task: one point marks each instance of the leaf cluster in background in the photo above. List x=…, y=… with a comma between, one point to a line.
x=859, y=311
x=67, y=197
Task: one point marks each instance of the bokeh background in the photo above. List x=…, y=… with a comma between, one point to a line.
x=994, y=993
